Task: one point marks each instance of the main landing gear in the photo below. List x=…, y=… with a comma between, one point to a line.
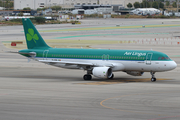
x=112, y=76
x=153, y=79
x=87, y=77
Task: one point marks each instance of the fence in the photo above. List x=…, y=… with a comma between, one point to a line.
x=154, y=41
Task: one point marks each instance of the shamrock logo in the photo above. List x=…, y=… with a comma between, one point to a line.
x=31, y=35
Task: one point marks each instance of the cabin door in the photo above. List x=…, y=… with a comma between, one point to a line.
x=45, y=54
x=149, y=58
x=105, y=57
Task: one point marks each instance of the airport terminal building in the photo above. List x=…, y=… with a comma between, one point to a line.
x=118, y=2
x=34, y=4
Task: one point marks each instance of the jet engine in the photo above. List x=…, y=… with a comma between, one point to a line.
x=102, y=72
x=135, y=73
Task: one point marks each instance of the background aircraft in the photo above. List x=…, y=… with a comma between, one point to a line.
x=145, y=11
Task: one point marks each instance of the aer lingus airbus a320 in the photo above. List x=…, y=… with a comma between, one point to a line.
x=98, y=62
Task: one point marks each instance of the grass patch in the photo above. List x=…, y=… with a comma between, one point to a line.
x=62, y=22
x=93, y=16
x=2, y=23
x=160, y=16
x=140, y=16
x=128, y=16
x=37, y=20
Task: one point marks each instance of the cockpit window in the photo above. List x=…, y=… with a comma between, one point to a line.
x=167, y=58
x=163, y=58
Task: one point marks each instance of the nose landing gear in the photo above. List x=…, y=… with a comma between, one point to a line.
x=153, y=79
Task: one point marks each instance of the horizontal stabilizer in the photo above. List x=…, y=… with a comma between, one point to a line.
x=30, y=53
x=11, y=51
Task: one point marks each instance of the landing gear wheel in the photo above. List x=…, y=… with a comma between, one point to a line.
x=153, y=79
x=87, y=77
x=112, y=76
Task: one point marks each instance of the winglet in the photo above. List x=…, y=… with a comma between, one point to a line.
x=33, y=38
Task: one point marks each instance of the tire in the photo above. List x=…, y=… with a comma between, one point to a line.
x=87, y=77
x=112, y=76
x=153, y=79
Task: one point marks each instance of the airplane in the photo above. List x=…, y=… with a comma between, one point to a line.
x=145, y=11
x=100, y=63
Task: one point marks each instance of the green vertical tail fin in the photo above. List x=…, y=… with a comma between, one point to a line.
x=33, y=38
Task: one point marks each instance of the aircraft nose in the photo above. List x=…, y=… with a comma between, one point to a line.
x=173, y=65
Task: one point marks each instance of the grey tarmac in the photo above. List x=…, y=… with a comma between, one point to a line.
x=36, y=91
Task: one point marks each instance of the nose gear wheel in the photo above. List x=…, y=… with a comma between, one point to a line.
x=153, y=79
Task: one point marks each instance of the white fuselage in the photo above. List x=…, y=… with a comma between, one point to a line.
x=118, y=65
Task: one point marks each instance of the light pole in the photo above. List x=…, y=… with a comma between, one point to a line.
x=34, y=4
x=3, y=6
x=20, y=5
x=8, y=9
x=177, y=5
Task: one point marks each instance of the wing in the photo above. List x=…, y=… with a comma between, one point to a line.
x=67, y=62
x=74, y=63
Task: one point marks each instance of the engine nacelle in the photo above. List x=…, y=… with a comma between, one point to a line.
x=102, y=72
x=135, y=73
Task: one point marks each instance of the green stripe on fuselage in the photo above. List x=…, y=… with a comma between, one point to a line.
x=104, y=54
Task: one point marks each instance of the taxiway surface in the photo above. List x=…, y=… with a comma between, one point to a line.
x=32, y=90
